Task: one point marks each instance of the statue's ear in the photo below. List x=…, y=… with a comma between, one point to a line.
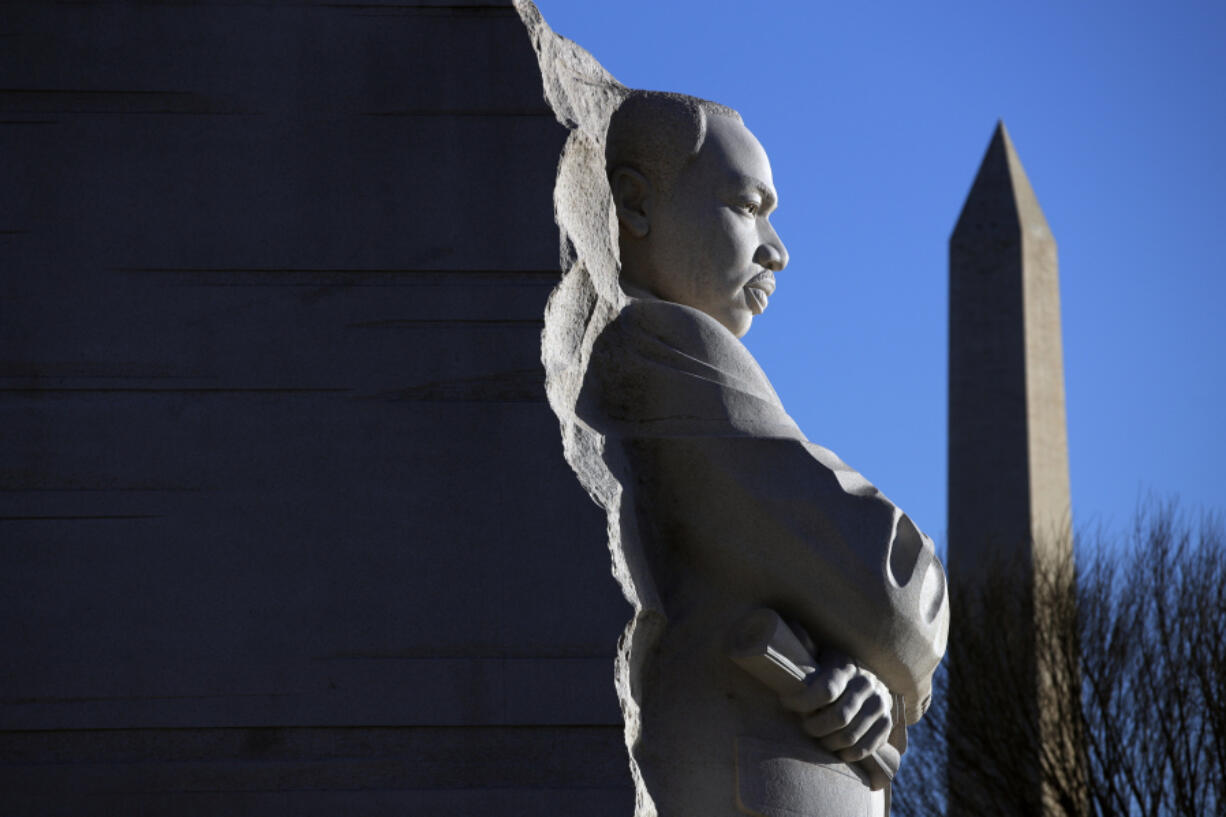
x=633, y=198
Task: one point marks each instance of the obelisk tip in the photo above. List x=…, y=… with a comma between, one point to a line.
x=1001, y=195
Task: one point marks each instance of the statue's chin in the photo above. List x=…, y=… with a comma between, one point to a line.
x=740, y=326
x=738, y=321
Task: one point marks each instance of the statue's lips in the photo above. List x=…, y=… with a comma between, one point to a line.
x=758, y=291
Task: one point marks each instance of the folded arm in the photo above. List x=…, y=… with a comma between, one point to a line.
x=786, y=523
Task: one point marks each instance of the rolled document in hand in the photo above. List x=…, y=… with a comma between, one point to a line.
x=766, y=647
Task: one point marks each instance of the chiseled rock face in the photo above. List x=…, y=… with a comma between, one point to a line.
x=718, y=506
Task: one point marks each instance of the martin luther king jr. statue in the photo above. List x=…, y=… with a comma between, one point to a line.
x=788, y=617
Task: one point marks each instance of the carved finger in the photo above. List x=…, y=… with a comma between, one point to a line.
x=869, y=742
x=821, y=688
x=873, y=709
x=841, y=713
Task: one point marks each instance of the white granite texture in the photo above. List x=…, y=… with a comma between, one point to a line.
x=718, y=505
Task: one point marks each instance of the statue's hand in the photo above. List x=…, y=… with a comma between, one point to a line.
x=844, y=706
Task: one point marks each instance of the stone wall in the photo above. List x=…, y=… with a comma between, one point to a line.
x=285, y=520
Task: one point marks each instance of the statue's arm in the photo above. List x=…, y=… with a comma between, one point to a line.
x=717, y=466
x=786, y=524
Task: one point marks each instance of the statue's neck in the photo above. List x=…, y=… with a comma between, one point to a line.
x=636, y=291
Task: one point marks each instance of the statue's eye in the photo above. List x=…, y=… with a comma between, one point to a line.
x=751, y=207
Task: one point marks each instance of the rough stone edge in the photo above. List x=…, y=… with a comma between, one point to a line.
x=583, y=96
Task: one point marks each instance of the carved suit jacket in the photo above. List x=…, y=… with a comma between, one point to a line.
x=726, y=508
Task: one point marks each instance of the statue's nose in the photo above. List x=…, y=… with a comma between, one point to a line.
x=771, y=253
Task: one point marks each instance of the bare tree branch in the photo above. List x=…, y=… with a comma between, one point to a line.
x=1112, y=703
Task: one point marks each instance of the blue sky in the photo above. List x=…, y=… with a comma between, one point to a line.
x=876, y=116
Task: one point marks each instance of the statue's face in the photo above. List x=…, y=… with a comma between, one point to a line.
x=712, y=246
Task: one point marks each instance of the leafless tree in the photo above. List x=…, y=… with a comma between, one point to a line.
x=1113, y=703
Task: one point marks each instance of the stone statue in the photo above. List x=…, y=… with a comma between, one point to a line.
x=727, y=527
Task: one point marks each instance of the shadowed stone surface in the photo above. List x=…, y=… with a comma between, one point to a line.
x=285, y=523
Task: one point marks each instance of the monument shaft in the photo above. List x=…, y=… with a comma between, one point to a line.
x=1010, y=545
x=1008, y=449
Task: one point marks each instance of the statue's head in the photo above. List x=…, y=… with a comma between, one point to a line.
x=694, y=193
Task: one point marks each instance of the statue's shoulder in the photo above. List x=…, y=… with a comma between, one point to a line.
x=662, y=368
x=672, y=329
x=674, y=320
